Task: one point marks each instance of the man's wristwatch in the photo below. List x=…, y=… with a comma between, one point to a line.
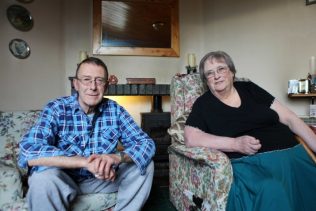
x=123, y=160
x=122, y=154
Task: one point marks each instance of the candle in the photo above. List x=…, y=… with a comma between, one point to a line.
x=191, y=60
x=312, y=65
x=82, y=55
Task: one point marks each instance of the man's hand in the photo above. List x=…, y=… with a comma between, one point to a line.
x=101, y=165
x=247, y=145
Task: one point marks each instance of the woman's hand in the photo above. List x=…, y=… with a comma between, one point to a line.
x=247, y=145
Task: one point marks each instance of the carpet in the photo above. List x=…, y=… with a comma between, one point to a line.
x=159, y=200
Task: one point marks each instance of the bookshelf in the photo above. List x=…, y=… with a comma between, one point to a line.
x=308, y=95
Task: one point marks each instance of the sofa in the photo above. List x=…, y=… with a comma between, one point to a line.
x=13, y=180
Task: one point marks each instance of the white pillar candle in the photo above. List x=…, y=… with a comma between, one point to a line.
x=82, y=55
x=312, y=65
x=191, y=60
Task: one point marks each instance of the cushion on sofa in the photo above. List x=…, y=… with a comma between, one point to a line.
x=13, y=125
x=10, y=184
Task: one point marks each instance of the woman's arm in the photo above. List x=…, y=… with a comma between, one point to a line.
x=296, y=125
x=194, y=137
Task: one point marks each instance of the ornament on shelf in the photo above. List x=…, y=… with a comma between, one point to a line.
x=82, y=56
x=191, y=67
x=312, y=71
x=113, y=80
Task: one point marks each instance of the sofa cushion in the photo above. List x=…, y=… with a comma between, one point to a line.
x=176, y=131
x=13, y=125
x=10, y=184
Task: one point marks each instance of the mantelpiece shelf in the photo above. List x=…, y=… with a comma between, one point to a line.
x=154, y=90
x=134, y=89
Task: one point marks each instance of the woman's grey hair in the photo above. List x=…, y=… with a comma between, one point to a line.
x=218, y=56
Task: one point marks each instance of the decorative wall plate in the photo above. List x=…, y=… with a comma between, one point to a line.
x=19, y=48
x=20, y=17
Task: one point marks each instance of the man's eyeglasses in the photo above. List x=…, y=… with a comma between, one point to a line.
x=219, y=70
x=87, y=81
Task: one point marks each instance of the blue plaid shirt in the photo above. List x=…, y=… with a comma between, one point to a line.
x=63, y=129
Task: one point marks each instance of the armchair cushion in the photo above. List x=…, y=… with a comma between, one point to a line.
x=184, y=90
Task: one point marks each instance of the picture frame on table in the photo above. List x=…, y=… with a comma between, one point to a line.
x=309, y=2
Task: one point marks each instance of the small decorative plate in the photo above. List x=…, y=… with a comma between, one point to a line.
x=19, y=48
x=20, y=17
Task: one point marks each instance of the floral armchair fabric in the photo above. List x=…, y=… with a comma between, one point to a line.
x=13, y=180
x=199, y=178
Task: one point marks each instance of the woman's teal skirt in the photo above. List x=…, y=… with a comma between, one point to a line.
x=277, y=180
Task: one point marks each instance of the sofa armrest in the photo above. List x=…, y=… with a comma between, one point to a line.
x=10, y=184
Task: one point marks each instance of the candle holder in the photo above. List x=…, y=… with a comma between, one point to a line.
x=190, y=69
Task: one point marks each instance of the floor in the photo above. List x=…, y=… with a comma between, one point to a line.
x=159, y=200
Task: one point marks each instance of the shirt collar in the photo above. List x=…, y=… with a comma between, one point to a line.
x=77, y=108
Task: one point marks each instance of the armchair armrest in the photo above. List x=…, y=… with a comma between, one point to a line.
x=199, y=177
x=201, y=172
x=10, y=184
x=308, y=150
x=211, y=157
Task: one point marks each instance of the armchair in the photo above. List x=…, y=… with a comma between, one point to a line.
x=199, y=177
x=13, y=180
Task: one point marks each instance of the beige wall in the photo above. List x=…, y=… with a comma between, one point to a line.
x=61, y=30
x=29, y=83
x=270, y=42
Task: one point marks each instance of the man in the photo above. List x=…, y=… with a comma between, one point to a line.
x=72, y=149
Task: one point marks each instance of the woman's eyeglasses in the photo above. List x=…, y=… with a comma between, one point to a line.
x=219, y=70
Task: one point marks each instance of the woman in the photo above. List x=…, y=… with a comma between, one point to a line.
x=271, y=171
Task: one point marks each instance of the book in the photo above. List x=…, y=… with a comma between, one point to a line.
x=140, y=80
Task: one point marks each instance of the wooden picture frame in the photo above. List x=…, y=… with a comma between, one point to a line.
x=101, y=46
x=309, y=2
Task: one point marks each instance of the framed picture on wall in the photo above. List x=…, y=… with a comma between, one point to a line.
x=308, y=2
x=139, y=28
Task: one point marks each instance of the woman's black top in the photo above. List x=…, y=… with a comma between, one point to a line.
x=254, y=117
